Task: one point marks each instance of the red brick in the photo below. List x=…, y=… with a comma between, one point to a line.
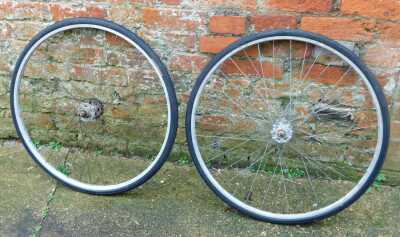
x=278, y=49
x=215, y=44
x=251, y=68
x=268, y=22
x=251, y=51
x=340, y=28
x=228, y=24
x=115, y=40
x=282, y=49
x=301, y=5
x=169, y=19
x=82, y=73
x=382, y=9
x=328, y=75
x=61, y=12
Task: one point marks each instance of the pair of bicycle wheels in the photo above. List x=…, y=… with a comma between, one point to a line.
x=285, y=126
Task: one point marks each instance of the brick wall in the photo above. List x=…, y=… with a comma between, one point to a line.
x=188, y=33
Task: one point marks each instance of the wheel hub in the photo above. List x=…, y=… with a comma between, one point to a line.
x=282, y=131
x=90, y=110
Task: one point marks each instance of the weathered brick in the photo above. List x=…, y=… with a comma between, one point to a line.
x=147, y=2
x=183, y=42
x=171, y=27
x=24, y=11
x=169, y=19
x=392, y=161
x=188, y=63
x=301, y=5
x=269, y=22
x=60, y=12
x=87, y=55
x=382, y=55
x=389, y=33
x=5, y=32
x=248, y=5
x=340, y=28
x=395, y=113
x=213, y=122
x=214, y=44
x=171, y=2
x=364, y=119
x=5, y=66
x=119, y=112
x=244, y=125
x=382, y=9
x=25, y=30
x=228, y=24
x=5, y=9
x=124, y=15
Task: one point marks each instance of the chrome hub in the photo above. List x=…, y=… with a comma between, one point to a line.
x=90, y=110
x=282, y=131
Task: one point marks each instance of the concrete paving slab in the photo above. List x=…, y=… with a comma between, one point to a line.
x=24, y=190
x=177, y=203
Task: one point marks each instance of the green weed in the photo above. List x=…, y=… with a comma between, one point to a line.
x=183, y=159
x=64, y=168
x=380, y=179
x=55, y=145
x=37, y=144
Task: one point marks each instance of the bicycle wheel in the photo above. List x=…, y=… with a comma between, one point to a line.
x=94, y=106
x=287, y=126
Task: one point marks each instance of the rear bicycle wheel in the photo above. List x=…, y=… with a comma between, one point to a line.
x=94, y=105
x=287, y=126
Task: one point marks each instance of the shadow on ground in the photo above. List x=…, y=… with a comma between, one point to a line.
x=174, y=203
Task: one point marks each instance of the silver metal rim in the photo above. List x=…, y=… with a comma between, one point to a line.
x=278, y=216
x=25, y=135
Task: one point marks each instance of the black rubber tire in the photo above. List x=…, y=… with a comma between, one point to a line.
x=319, y=38
x=165, y=76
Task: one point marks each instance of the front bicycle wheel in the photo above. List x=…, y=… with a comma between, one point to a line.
x=287, y=126
x=94, y=105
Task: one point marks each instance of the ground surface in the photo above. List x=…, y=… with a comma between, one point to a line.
x=174, y=203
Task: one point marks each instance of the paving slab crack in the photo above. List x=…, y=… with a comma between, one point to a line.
x=44, y=213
